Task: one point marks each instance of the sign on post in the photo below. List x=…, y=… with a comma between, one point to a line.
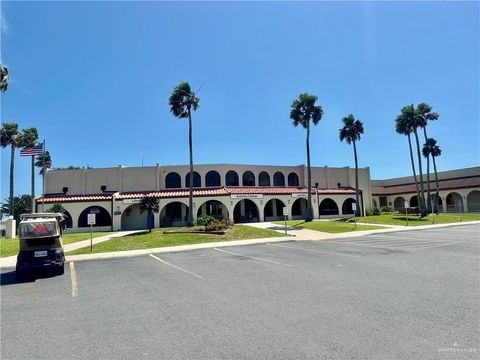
x=91, y=222
x=354, y=209
x=354, y=206
x=285, y=214
x=406, y=211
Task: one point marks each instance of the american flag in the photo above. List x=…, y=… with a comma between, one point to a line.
x=34, y=151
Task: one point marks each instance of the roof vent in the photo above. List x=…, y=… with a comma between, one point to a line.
x=65, y=190
x=103, y=188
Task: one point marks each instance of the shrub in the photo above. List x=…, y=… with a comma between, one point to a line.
x=206, y=220
x=219, y=225
x=376, y=211
x=386, y=209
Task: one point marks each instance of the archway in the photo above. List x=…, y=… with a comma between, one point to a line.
x=328, y=207
x=293, y=179
x=473, y=200
x=133, y=218
x=263, y=179
x=174, y=214
x=245, y=211
x=173, y=181
x=197, y=180
x=248, y=179
x=213, y=208
x=440, y=203
x=278, y=179
x=299, y=209
x=413, y=201
x=273, y=210
x=454, y=202
x=231, y=178
x=102, y=217
x=347, y=206
x=398, y=203
x=212, y=178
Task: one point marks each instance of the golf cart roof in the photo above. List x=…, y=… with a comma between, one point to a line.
x=42, y=217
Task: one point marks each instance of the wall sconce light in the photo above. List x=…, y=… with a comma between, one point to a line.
x=231, y=203
x=261, y=202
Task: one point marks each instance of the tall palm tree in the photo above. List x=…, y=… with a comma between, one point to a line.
x=9, y=136
x=150, y=205
x=28, y=139
x=432, y=149
x=182, y=101
x=424, y=115
x=3, y=78
x=403, y=126
x=48, y=162
x=303, y=111
x=351, y=132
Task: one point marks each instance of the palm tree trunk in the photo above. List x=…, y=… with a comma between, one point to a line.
x=190, y=195
x=12, y=160
x=436, y=183
x=33, y=183
x=357, y=211
x=413, y=166
x=423, y=209
x=429, y=205
x=309, y=215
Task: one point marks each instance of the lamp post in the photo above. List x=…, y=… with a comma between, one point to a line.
x=318, y=204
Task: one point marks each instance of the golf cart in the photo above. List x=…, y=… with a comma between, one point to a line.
x=41, y=244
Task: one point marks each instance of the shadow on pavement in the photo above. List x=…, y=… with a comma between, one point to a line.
x=11, y=277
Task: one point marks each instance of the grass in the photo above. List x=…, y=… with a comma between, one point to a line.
x=333, y=226
x=159, y=239
x=414, y=220
x=9, y=247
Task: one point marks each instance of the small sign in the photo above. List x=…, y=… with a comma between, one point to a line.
x=132, y=201
x=299, y=195
x=91, y=219
x=285, y=211
x=94, y=211
x=354, y=206
x=406, y=203
x=246, y=196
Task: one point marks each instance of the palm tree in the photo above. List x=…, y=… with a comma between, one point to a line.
x=432, y=149
x=28, y=139
x=351, y=132
x=48, y=162
x=403, y=126
x=150, y=205
x=424, y=115
x=303, y=111
x=182, y=101
x=9, y=136
x=3, y=78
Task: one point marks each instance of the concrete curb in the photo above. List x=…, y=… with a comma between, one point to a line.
x=172, y=249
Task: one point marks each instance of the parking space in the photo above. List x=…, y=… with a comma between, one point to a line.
x=395, y=296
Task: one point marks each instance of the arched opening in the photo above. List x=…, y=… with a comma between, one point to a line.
x=231, y=178
x=273, y=210
x=212, y=178
x=134, y=219
x=245, y=211
x=398, y=203
x=299, y=209
x=347, y=206
x=473, y=200
x=263, y=179
x=197, y=180
x=328, y=207
x=68, y=220
x=173, y=181
x=413, y=201
x=174, y=214
x=213, y=208
x=440, y=203
x=248, y=179
x=102, y=217
x=374, y=203
x=278, y=179
x=293, y=179
x=454, y=202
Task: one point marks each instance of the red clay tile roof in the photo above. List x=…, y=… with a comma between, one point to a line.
x=62, y=198
x=464, y=183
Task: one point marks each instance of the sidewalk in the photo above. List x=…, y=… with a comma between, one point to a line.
x=294, y=235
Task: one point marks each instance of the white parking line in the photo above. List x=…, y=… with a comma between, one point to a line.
x=73, y=277
x=175, y=266
x=252, y=257
x=309, y=250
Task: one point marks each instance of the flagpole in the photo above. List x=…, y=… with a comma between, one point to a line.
x=43, y=175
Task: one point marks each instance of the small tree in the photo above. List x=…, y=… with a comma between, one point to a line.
x=48, y=162
x=150, y=205
x=21, y=205
x=57, y=208
x=3, y=78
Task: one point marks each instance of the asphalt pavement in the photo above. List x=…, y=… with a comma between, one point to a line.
x=398, y=295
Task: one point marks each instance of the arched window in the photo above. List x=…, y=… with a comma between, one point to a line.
x=293, y=179
x=278, y=179
x=172, y=181
x=248, y=179
x=102, y=217
x=197, y=181
x=231, y=178
x=212, y=178
x=263, y=179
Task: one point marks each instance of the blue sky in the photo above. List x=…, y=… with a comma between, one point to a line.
x=95, y=77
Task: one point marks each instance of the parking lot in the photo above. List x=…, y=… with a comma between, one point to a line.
x=402, y=295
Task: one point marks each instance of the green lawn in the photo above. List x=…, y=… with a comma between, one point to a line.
x=328, y=226
x=158, y=239
x=9, y=247
x=414, y=220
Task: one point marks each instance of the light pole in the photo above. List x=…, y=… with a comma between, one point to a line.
x=318, y=204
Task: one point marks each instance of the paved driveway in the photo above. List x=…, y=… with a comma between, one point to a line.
x=405, y=295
